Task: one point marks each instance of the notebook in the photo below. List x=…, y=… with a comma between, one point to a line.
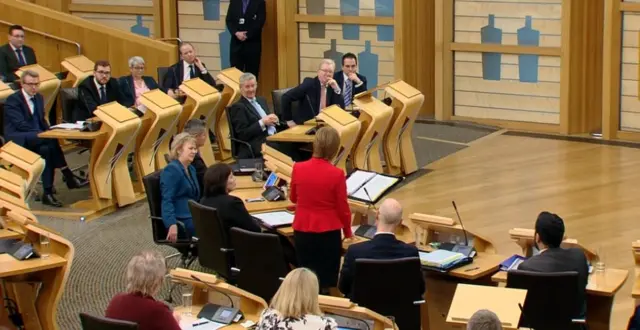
x=512, y=262
x=274, y=219
x=440, y=258
x=369, y=187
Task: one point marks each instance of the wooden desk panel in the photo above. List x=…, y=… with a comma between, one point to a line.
x=195, y=309
x=245, y=182
x=70, y=134
x=294, y=134
x=10, y=266
x=259, y=206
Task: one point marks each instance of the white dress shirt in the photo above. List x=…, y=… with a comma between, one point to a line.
x=346, y=78
x=15, y=51
x=186, y=71
x=29, y=102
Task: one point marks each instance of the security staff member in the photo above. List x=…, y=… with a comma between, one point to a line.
x=245, y=19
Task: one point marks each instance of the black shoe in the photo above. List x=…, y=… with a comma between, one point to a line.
x=50, y=199
x=74, y=182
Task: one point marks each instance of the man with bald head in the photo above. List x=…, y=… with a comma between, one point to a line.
x=384, y=245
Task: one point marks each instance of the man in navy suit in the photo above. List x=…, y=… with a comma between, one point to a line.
x=384, y=245
x=23, y=120
x=15, y=54
x=349, y=79
x=189, y=67
x=96, y=90
x=313, y=95
x=634, y=321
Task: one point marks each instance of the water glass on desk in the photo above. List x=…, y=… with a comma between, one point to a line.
x=599, y=265
x=258, y=175
x=45, y=246
x=187, y=296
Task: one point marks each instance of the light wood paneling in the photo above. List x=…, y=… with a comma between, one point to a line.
x=592, y=187
x=629, y=102
x=98, y=41
x=122, y=22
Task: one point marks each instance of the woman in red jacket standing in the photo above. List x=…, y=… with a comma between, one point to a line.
x=319, y=190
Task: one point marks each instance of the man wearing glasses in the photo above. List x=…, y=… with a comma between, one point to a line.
x=313, y=95
x=15, y=54
x=349, y=79
x=97, y=90
x=23, y=120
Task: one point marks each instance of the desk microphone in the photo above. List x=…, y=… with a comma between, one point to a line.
x=466, y=250
x=466, y=241
x=213, y=288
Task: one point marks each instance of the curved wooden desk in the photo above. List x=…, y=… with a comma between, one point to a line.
x=249, y=304
x=159, y=124
x=442, y=287
x=601, y=288
x=635, y=291
x=277, y=162
x=5, y=91
x=13, y=188
x=37, y=284
x=398, y=148
x=202, y=101
x=79, y=67
x=230, y=94
x=344, y=307
x=375, y=119
x=24, y=162
x=49, y=86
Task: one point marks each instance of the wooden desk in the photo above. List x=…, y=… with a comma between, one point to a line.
x=13, y=231
x=245, y=182
x=79, y=67
x=38, y=307
x=294, y=134
x=230, y=94
x=5, y=91
x=259, y=206
x=635, y=291
x=195, y=309
x=601, y=290
x=95, y=206
x=504, y=302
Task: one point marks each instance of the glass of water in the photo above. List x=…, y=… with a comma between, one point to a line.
x=45, y=245
x=600, y=265
x=187, y=295
x=258, y=175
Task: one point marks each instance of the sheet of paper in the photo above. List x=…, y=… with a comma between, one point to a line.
x=275, y=219
x=199, y=324
x=67, y=126
x=357, y=179
x=375, y=187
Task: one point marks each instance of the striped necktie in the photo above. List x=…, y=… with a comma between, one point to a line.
x=347, y=92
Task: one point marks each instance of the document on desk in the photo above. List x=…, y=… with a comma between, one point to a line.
x=369, y=186
x=67, y=126
x=200, y=324
x=275, y=219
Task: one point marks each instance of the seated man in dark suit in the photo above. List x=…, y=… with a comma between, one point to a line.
x=549, y=233
x=313, y=95
x=97, y=90
x=189, y=67
x=349, y=79
x=634, y=321
x=197, y=128
x=384, y=245
x=15, y=54
x=251, y=119
x=23, y=120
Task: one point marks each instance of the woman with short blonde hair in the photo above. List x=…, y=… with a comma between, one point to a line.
x=177, y=144
x=145, y=273
x=326, y=143
x=295, y=305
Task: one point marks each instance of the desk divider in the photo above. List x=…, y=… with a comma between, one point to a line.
x=230, y=94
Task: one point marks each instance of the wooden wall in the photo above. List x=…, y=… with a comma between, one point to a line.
x=135, y=16
x=98, y=41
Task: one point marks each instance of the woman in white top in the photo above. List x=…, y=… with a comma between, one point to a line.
x=295, y=305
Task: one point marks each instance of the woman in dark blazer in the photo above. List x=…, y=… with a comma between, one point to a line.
x=319, y=190
x=135, y=84
x=178, y=185
x=219, y=181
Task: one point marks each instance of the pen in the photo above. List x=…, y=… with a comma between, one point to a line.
x=471, y=269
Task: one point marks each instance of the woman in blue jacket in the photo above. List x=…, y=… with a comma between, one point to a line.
x=179, y=184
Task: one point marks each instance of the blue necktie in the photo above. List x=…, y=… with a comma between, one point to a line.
x=245, y=5
x=21, y=60
x=270, y=129
x=347, y=92
x=103, y=95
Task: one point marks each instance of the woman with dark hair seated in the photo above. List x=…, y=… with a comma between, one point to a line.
x=219, y=181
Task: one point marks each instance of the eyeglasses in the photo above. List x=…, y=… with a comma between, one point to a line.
x=106, y=73
x=32, y=84
x=139, y=68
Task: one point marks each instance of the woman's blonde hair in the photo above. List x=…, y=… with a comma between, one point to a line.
x=145, y=273
x=298, y=294
x=326, y=143
x=179, y=141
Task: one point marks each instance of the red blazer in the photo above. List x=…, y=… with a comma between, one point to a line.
x=319, y=190
x=149, y=313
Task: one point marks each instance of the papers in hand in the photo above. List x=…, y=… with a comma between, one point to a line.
x=369, y=186
x=76, y=125
x=275, y=219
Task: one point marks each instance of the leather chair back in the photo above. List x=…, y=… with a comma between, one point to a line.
x=69, y=100
x=154, y=199
x=91, y=322
x=260, y=260
x=552, y=299
x=214, y=251
x=232, y=134
x=162, y=71
x=276, y=96
x=398, y=298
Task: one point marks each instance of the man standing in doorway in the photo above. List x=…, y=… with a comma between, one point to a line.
x=245, y=19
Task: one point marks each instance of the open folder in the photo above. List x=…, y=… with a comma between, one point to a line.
x=274, y=219
x=369, y=187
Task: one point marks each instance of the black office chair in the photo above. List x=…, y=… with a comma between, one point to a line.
x=553, y=299
x=92, y=322
x=390, y=287
x=234, y=139
x=214, y=250
x=276, y=96
x=69, y=100
x=260, y=262
x=162, y=71
x=2, y=123
x=186, y=246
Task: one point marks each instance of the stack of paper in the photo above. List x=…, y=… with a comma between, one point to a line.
x=440, y=258
x=275, y=219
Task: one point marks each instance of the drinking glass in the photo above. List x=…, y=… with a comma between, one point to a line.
x=45, y=246
x=258, y=175
x=187, y=295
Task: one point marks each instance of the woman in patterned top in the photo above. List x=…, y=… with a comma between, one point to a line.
x=295, y=305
